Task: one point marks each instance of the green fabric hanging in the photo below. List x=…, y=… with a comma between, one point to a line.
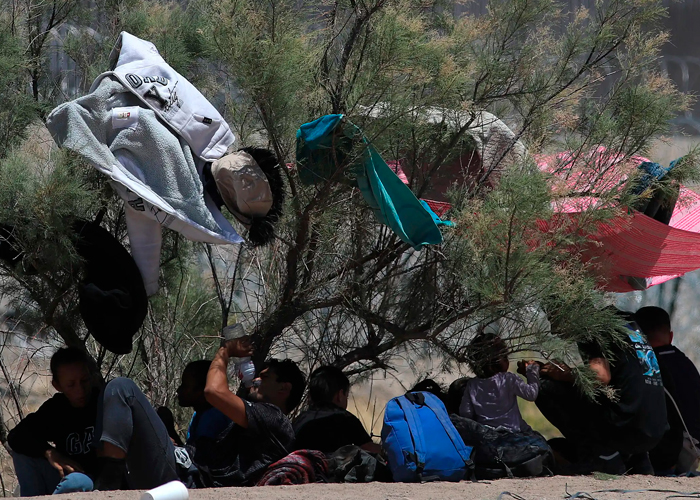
x=328, y=142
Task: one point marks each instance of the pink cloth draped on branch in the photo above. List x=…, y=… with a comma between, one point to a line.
x=630, y=245
x=633, y=244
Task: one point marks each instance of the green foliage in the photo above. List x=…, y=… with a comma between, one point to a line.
x=17, y=108
x=269, y=60
x=41, y=197
x=336, y=286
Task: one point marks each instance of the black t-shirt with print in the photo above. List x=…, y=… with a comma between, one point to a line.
x=70, y=429
x=328, y=428
x=239, y=456
x=635, y=375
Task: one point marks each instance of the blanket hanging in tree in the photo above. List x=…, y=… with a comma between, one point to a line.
x=633, y=251
x=634, y=245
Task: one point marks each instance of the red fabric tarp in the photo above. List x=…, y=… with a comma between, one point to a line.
x=633, y=244
x=640, y=246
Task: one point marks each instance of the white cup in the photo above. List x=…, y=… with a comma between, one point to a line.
x=174, y=490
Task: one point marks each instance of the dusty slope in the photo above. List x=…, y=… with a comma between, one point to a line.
x=553, y=488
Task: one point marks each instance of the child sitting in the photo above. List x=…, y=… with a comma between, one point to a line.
x=207, y=421
x=492, y=397
x=327, y=425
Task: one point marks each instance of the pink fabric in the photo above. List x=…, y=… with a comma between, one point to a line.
x=593, y=172
x=439, y=207
x=638, y=245
x=629, y=245
x=396, y=167
x=632, y=244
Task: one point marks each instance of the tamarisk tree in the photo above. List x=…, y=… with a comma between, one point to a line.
x=422, y=82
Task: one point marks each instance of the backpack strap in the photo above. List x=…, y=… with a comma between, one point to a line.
x=464, y=451
x=417, y=398
x=692, y=440
x=414, y=423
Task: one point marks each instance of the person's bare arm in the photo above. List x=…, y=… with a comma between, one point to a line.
x=559, y=371
x=61, y=463
x=216, y=390
x=556, y=370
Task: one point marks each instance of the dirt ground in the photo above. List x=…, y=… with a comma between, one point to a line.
x=552, y=488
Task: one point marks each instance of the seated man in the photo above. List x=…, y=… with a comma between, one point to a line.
x=206, y=421
x=682, y=381
x=68, y=421
x=608, y=435
x=327, y=425
x=262, y=433
x=136, y=444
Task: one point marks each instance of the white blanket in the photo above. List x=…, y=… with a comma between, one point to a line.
x=152, y=141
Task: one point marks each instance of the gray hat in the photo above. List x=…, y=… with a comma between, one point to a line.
x=243, y=186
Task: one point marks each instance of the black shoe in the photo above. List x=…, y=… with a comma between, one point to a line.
x=607, y=464
x=111, y=475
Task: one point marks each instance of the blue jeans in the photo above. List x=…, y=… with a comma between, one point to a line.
x=36, y=477
x=75, y=481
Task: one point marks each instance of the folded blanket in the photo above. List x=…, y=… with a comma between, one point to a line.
x=299, y=467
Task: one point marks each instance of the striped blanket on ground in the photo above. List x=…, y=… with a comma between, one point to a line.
x=299, y=467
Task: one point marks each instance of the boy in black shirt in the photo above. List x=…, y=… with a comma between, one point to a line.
x=608, y=435
x=327, y=425
x=68, y=421
x=682, y=381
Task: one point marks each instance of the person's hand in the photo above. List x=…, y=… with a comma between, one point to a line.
x=555, y=370
x=524, y=363
x=61, y=463
x=239, y=348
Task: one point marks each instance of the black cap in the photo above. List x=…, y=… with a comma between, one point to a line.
x=113, y=300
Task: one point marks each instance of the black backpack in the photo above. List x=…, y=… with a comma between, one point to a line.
x=501, y=453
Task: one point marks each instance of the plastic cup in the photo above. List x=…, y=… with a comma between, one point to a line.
x=174, y=490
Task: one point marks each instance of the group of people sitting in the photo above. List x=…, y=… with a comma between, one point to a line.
x=107, y=437
x=648, y=398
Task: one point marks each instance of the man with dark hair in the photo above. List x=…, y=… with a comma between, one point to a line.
x=284, y=372
x=206, y=421
x=682, y=381
x=327, y=425
x=262, y=433
x=68, y=421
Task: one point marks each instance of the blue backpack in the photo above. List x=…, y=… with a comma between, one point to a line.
x=421, y=442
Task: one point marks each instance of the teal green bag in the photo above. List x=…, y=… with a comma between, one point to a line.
x=324, y=149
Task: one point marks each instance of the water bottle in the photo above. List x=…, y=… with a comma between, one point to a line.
x=244, y=367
